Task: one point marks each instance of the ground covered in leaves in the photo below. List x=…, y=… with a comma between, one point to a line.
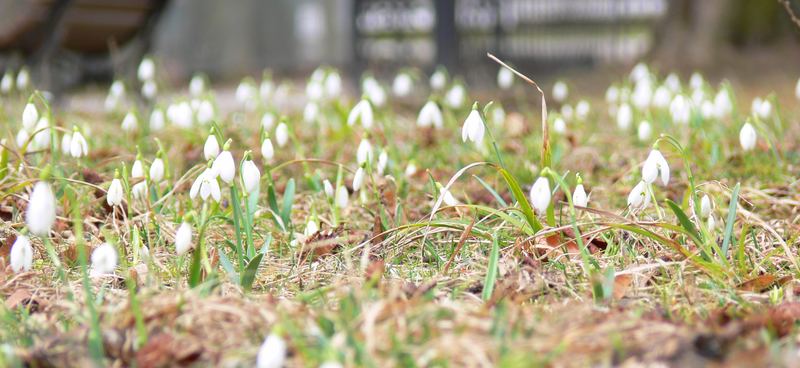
x=394, y=278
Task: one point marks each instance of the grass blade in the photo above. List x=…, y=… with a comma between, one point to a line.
x=726, y=240
x=491, y=273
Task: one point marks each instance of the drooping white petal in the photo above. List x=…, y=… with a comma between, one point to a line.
x=748, y=137
x=21, y=254
x=579, y=197
x=41, y=212
x=251, y=176
x=211, y=148
x=115, y=192
x=183, y=238
x=157, y=170
x=540, y=195
x=225, y=166
x=272, y=353
x=104, y=260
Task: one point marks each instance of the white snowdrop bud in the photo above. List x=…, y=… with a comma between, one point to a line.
x=268, y=121
x=455, y=96
x=342, y=197
x=267, y=150
x=310, y=112
x=157, y=120
x=77, y=145
x=225, y=166
x=705, y=206
x=673, y=82
x=362, y=112
x=21, y=254
x=328, y=188
x=364, y=152
x=644, y=131
x=560, y=91
x=447, y=197
x=333, y=85
x=7, y=83
x=157, y=170
x=129, y=123
x=612, y=95
x=402, y=85
x=680, y=110
x=582, y=110
x=22, y=137
x=505, y=78
x=438, y=80
x=410, y=170
x=638, y=198
x=282, y=134
x=205, y=112
x=251, y=176
x=430, y=115
x=23, y=79
x=540, y=195
x=211, y=148
x=149, y=89
x=312, y=227
x=104, y=260
x=559, y=126
x=41, y=212
x=624, y=116
x=579, y=197
x=358, y=179
x=66, y=142
x=197, y=86
x=747, y=137
x=137, y=170
x=183, y=238
x=473, y=128
x=272, y=353
x=115, y=192
x=147, y=70
x=383, y=161
x=29, y=117
x=139, y=190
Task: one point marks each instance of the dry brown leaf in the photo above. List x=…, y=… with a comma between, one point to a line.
x=763, y=283
x=622, y=284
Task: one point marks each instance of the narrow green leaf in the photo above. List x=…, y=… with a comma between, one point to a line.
x=520, y=197
x=288, y=199
x=491, y=272
x=228, y=267
x=194, y=269
x=685, y=222
x=249, y=274
x=726, y=240
x=491, y=190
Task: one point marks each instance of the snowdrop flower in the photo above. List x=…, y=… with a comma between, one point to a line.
x=447, y=197
x=197, y=85
x=707, y=110
x=104, y=260
x=115, y=94
x=225, y=166
x=23, y=79
x=438, y=79
x=402, y=85
x=655, y=164
x=712, y=223
x=157, y=170
x=328, y=188
x=77, y=144
x=540, y=194
x=183, y=239
x=410, y=170
x=181, y=114
x=662, y=97
x=157, y=120
x=673, y=82
x=137, y=169
x=362, y=112
x=342, y=197
x=310, y=112
x=266, y=87
x=430, y=115
x=205, y=112
x=680, y=110
x=698, y=96
x=579, y=197
x=333, y=84
x=747, y=137
x=383, y=161
x=624, y=116
x=147, y=69
x=722, y=104
x=560, y=91
x=66, y=142
x=272, y=353
x=612, y=94
x=251, y=176
x=705, y=206
x=206, y=185
x=644, y=131
x=245, y=94
x=22, y=137
x=696, y=81
x=559, y=125
x=7, y=83
x=149, y=89
x=638, y=198
x=139, y=190
x=358, y=179
x=364, y=152
x=41, y=139
x=211, y=148
x=639, y=72
x=130, y=122
x=505, y=78
x=268, y=121
x=282, y=134
x=473, y=128
x=29, y=117
x=582, y=110
x=114, y=194
x=642, y=94
x=312, y=226
x=797, y=90
x=455, y=96
x=374, y=91
x=41, y=212
x=21, y=254
x=762, y=108
x=267, y=151
x=314, y=90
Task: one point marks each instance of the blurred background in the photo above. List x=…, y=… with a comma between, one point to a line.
x=72, y=42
